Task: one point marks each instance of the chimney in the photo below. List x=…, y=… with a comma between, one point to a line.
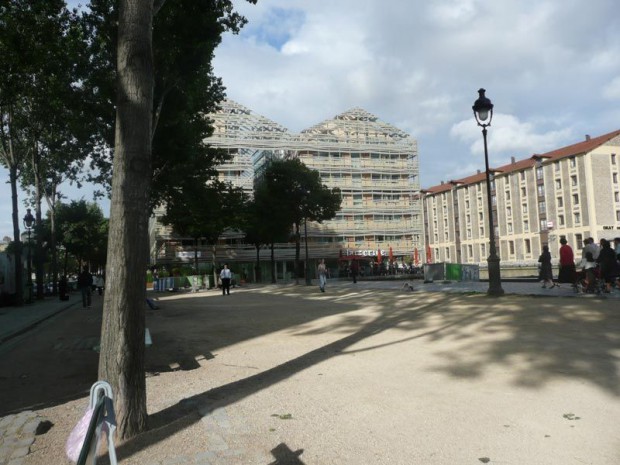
x=478, y=171
x=512, y=160
x=587, y=136
x=442, y=183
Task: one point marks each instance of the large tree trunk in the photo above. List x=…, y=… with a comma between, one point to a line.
x=122, y=340
x=19, y=269
x=257, y=277
x=273, y=264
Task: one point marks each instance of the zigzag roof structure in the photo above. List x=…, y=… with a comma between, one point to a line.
x=355, y=130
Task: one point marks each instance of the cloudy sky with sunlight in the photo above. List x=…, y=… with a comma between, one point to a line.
x=551, y=67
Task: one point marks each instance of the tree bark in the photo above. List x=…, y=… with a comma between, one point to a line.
x=121, y=361
x=19, y=268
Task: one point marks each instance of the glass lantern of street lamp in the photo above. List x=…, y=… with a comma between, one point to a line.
x=483, y=109
x=28, y=219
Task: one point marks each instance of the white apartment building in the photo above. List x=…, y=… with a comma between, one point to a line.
x=374, y=164
x=573, y=191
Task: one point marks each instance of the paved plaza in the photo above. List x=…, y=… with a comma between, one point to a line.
x=371, y=373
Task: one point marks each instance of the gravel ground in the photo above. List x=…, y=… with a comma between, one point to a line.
x=362, y=375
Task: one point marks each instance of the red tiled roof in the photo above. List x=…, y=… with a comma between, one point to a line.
x=568, y=151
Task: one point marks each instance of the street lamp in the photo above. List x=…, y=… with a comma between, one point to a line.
x=28, y=224
x=483, y=111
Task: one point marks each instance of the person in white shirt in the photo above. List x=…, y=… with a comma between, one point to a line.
x=225, y=276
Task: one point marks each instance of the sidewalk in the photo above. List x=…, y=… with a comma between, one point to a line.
x=17, y=320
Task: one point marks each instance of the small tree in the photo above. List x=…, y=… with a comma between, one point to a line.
x=301, y=197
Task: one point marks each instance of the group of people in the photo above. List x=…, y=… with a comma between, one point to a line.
x=598, y=262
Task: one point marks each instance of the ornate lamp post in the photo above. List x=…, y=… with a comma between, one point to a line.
x=29, y=224
x=483, y=112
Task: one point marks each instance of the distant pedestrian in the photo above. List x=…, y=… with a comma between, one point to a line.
x=567, y=263
x=85, y=284
x=355, y=270
x=63, y=288
x=608, y=264
x=322, y=272
x=225, y=276
x=546, y=270
x=98, y=283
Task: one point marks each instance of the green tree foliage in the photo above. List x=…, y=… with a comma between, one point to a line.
x=206, y=211
x=185, y=35
x=300, y=196
x=39, y=45
x=83, y=232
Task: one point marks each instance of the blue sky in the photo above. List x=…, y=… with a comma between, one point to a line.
x=551, y=67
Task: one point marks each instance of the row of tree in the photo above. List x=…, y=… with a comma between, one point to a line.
x=286, y=195
x=116, y=93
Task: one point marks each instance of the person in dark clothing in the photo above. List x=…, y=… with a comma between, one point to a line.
x=226, y=276
x=63, y=288
x=607, y=261
x=355, y=270
x=85, y=284
x=546, y=270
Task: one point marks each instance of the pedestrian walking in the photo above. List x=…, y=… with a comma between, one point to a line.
x=225, y=276
x=546, y=270
x=355, y=270
x=85, y=284
x=322, y=272
x=608, y=264
x=567, y=263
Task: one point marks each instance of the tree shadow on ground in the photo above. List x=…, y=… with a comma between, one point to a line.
x=538, y=339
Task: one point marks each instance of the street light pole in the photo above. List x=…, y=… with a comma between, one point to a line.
x=483, y=110
x=28, y=224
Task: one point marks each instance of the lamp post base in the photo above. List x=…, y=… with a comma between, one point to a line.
x=495, y=280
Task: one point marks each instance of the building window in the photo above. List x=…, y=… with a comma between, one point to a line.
x=558, y=184
x=556, y=166
x=508, y=211
x=542, y=207
x=483, y=250
x=493, y=200
x=481, y=231
x=524, y=208
x=481, y=216
x=468, y=218
x=436, y=237
x=526, y=226
x=577, y=218
x=541, y=190
x=509, y=227
x=617, y=215
x=617, y=196
x=613, y=158
x=523, y=192
x=511, y=247
x=573, y=180
x=560, y=202
x=579, y=241
x=575, y=199
x=528, y=246
x=469, y=234
x=470, y=251
x=614, y=178
x=539, y=172
x=467, y=204
x=572, y=162
x=543, y=225
x=507, y=195
x=522, y=175
x=445, y=236
x=561, y=220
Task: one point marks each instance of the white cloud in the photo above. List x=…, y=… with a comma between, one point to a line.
x=550, y=67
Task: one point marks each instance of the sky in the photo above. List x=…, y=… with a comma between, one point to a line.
x=550, y=67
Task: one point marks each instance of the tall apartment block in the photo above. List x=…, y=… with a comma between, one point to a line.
x=374, y=164
x=571, y=192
